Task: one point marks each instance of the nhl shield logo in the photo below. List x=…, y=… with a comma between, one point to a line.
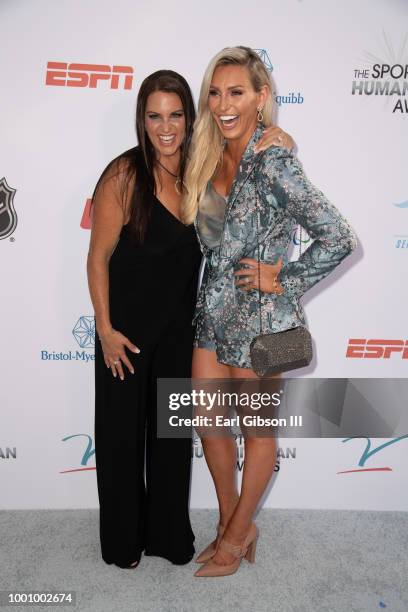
x=8, y=216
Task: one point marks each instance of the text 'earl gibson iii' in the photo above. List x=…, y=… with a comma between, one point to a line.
x=247, y=420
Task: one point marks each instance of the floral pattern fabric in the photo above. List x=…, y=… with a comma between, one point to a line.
x=269, y=196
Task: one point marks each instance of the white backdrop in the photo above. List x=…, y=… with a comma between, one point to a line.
x=56, y=140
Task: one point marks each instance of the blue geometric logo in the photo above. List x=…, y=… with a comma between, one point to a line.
x=263, y=54
x=84, y=332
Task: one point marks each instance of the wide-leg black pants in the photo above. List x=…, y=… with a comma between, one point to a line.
x=143, y=481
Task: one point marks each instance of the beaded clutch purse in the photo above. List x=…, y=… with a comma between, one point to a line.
x=281, y=351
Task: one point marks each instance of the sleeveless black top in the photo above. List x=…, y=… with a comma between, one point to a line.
x=154, y=283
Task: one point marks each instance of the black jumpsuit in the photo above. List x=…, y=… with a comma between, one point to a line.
x=144, y=498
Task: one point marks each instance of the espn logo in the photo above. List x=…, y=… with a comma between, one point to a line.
x=88, y=75
x=376, y=349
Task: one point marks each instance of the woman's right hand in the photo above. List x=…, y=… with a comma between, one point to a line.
x=113, y=347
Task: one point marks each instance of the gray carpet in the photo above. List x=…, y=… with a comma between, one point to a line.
x=307, y=560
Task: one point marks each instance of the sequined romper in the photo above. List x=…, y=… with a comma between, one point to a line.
x=270, y=194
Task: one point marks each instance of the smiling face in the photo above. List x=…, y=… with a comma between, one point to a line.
x=165, y=122
x=233, y=101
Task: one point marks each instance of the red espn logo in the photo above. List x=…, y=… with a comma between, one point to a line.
x=376, y=349
x=87, y=75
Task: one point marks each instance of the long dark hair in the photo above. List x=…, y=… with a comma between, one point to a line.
x=140, y=161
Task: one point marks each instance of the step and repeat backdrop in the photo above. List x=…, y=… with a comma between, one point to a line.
x=71, y=71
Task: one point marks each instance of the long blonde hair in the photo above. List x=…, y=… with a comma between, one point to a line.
x=207, y=142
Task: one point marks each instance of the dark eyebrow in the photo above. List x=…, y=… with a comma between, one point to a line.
x=179, y=110
x=232, y=87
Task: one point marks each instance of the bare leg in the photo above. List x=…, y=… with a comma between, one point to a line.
x=220, y=452
x=260, y=458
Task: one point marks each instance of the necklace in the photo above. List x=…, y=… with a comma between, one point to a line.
x=176, y=176
x=167, y=170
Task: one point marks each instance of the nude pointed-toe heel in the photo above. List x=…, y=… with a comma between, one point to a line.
x=212, y=548
x=250, y=553
x=247, y=550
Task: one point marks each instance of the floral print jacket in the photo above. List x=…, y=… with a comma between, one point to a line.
x=274, y=184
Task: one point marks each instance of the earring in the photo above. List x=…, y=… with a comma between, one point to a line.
x=260, y=115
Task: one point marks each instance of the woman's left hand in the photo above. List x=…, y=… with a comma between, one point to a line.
x=274, y=136
x=248, y=278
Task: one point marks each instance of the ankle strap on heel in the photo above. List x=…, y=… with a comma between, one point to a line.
x=234, y=549
x=240, y=550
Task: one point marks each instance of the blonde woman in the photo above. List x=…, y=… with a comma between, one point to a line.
x=227, y=182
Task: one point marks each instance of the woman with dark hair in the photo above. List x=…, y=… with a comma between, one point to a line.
x=143, y=266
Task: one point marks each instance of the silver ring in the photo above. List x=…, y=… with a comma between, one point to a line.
x=116, y=362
